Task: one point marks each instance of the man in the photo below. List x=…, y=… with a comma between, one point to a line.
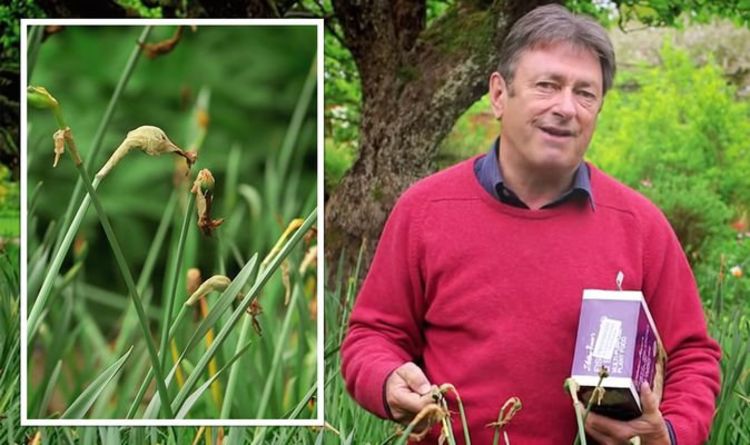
x=478, y=276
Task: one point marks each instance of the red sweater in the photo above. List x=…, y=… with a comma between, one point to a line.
x=487, y=297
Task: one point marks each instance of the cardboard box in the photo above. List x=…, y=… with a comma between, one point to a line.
x=615, y=330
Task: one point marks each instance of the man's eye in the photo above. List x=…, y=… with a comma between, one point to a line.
x=546, y=86
x=587, y=94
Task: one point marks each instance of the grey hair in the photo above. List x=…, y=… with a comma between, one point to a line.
x=554, y=24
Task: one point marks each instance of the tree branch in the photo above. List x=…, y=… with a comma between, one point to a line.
x=328, y=18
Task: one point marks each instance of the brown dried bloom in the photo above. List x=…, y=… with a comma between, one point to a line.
x=150, y=139
x=153, y=50
x=254, y=310
x=203, y=188
x=217, y=283
x=193, y=280
x=59, y=138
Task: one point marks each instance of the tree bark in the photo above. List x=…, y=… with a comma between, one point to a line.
x=416, y=82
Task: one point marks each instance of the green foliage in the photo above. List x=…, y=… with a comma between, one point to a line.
x=260, y=142
x=9, y=209
x=472, y=134
x=342, y=111
x=671, y=13
x=338, y=158
x=141, y=9
x=676, y=133
x=603, y=12
x=10, y=24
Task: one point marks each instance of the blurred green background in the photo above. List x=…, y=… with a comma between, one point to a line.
x=253, y=75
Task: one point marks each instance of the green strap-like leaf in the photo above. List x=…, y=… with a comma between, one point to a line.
x=192, y=398
x=224, y=303
x=87, y=398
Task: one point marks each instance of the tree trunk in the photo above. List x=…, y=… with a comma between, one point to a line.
x=416, y=82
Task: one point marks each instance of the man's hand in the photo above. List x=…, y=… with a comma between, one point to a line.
x=649, y=426
x=407, y=391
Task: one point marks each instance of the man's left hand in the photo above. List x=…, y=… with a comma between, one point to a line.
x=650, y=426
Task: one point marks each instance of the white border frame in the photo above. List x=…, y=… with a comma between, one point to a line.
x=319, y=397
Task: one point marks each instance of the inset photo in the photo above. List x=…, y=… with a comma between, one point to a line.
x=170, y=208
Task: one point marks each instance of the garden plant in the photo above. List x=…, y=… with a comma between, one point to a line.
x=244, y=345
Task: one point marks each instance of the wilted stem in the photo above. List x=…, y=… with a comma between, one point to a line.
x=464, y=424
x=598, y=392
x=572, y=387
x=507, y=411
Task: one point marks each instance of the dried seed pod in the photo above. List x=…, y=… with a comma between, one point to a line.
x=217, y=283
x=153, y=50
x=429, y=415
x=254, y=310
x=80, y=248
x=193, y=281
x=150, y=139
x=310, y=260
x=203, y=188
x=59, y=139
x=311, y=236
x=286, y=281
x=508, y=410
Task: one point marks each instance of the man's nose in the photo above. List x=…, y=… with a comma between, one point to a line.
x=565, y=106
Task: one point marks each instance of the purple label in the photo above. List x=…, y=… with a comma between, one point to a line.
x=607, y=332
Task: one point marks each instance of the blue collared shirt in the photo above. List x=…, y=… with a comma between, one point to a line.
x=487, y=171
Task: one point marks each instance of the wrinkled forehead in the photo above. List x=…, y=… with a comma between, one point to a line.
x=578, y=48
x=574, y=56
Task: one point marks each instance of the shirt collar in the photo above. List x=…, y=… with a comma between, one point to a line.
x=487, y=171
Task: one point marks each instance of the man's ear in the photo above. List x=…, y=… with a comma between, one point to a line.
x=498, y=94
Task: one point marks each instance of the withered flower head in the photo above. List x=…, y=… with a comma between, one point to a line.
x=203, y=189
x=193, y=280
x=217, y=283
x=150, y=139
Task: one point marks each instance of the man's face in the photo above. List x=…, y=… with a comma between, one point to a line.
x=549, y=111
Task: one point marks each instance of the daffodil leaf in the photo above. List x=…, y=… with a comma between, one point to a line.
x=86, y=399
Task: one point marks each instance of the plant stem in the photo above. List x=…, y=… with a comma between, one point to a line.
x=71, y=223
x=148, y=268
x=150, y=374
x=277, y=355
x=263, y=277
x=34, y=42
x=35, y=315
x=234, y=373
x=99, y=135
x=175, y=280
x=128, y=277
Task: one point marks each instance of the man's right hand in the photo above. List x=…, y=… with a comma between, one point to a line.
x=407, y=391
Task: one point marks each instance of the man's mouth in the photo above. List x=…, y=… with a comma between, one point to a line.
x=557, y=131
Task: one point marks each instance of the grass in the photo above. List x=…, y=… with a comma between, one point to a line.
x=97, y=350
x=347, y=422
